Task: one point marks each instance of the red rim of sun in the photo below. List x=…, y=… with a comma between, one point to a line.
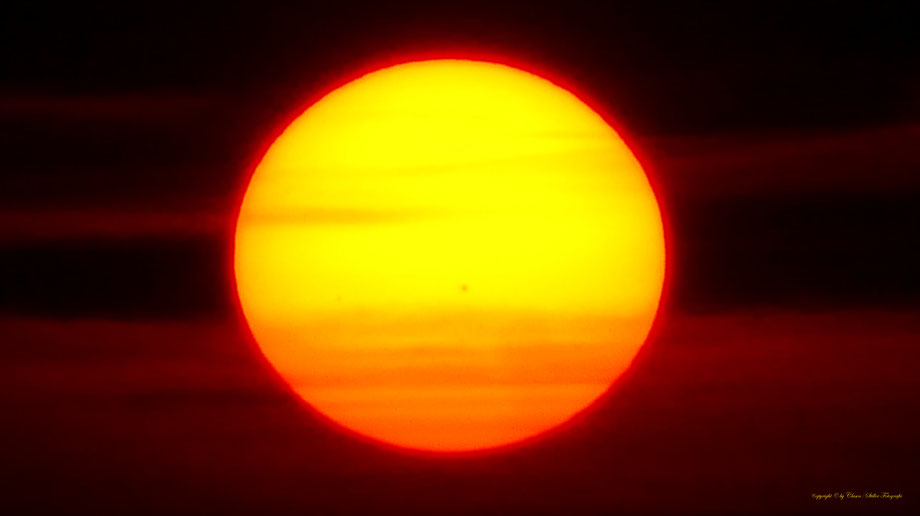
x=525, y=239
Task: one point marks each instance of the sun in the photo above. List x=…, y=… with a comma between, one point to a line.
x=449, y=255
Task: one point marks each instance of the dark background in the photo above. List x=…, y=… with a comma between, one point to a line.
x=783, y=146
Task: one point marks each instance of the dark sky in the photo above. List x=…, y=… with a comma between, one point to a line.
x=782, y=143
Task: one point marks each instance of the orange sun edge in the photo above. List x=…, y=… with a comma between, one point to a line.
x=580, y=417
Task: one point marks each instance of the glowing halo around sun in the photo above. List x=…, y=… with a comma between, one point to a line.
x=449, y=255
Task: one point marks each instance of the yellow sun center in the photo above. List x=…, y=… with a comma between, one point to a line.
x=449, y=255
